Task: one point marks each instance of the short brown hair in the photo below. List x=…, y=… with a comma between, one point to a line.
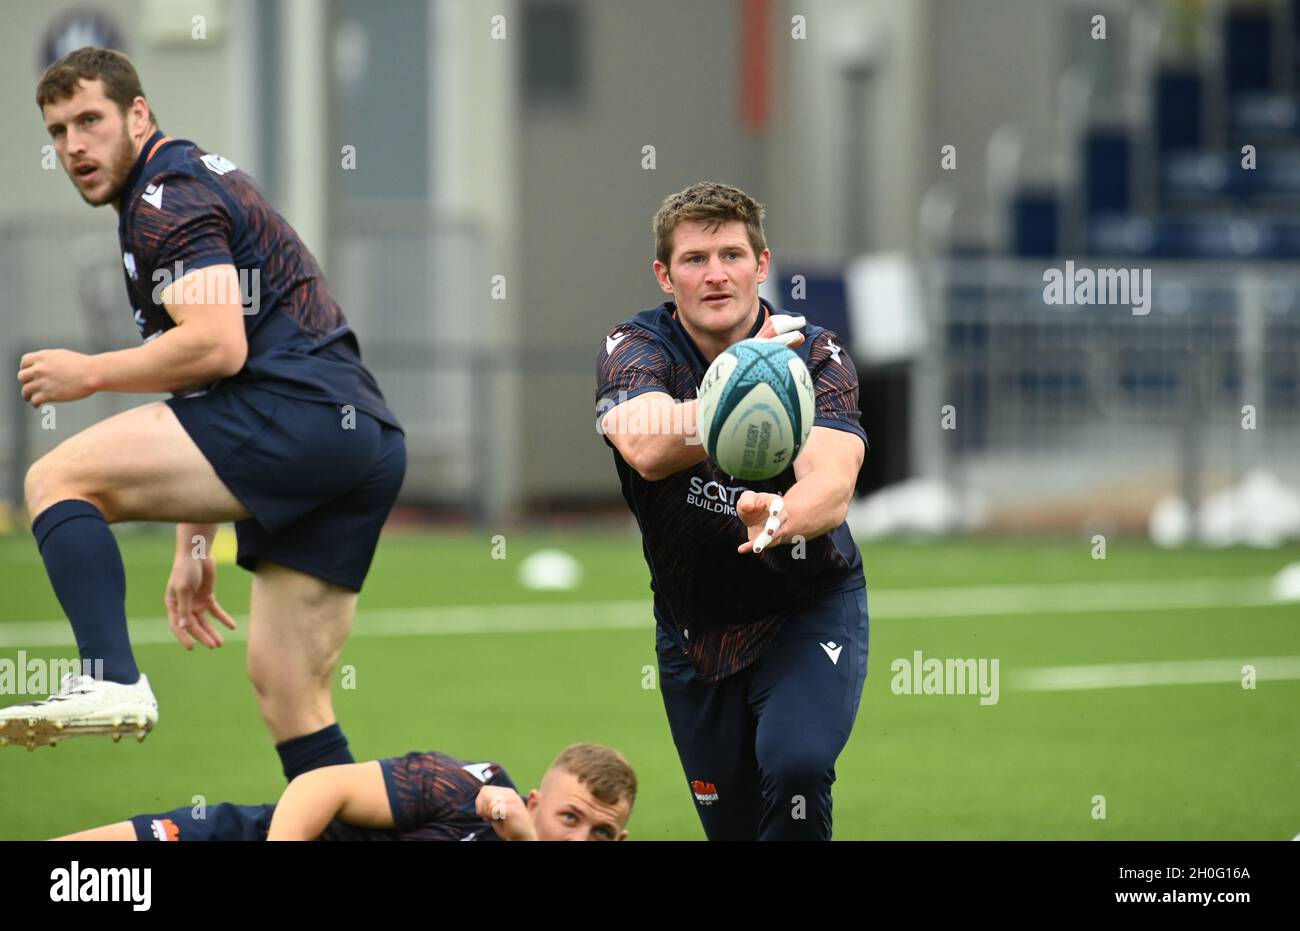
x=121, y=83
x=604, y=771
x=712, y=201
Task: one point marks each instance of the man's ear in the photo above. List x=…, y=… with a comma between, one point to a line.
x=534, y=799
x=663, y=276
x=141, y=118
x=623, y=834
x=764, y=265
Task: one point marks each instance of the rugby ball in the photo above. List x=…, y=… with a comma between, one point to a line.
x=755, y=409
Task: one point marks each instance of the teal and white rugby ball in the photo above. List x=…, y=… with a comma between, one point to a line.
x=755, y=409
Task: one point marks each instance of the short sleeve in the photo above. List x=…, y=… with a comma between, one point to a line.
x=414, y=790
x=835, y=380
x=180, y=220
x=434, y=787
x=630, y=363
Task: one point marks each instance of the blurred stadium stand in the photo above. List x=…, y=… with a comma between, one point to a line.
x=480, y=159
x=1081, y=416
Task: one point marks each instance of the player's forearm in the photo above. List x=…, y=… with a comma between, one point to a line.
x=657, y=436
x=658, y=457
x=816, y=504
x=182, y=357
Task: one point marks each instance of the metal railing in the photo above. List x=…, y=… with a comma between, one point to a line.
x=1056, y=400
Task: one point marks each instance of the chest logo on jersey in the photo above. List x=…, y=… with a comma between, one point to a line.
x=153, y=196
x=218, y=164
x=128, y=261
x=481, y=771
x=713, y=496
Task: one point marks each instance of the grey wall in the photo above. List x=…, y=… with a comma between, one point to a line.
x=662, y=74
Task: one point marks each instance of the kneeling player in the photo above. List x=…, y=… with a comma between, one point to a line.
x=586, y=794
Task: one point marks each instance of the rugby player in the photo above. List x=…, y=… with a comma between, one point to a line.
x=586, y=794
x=274, y=423
x=759, y=594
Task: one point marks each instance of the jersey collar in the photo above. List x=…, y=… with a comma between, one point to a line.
x=151, y=147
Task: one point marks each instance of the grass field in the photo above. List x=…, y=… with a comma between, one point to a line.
x=450, y=652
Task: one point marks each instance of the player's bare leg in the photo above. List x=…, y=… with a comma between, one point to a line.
x=297, y=627
x=137, y=465
x=123, y=830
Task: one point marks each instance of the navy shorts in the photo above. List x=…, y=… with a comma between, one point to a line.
x=220, y=822
x=319, y=480
x=759, y=747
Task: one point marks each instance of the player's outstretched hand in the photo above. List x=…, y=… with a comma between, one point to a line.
x=764, y=517
x=191, y=596
x=783, y=329
x=49, y=375
x=506, y=812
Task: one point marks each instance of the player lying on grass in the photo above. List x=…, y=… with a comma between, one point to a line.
x=586, y=794
x=274, y=424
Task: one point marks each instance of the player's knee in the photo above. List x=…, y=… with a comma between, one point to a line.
x=45, y=484
x=282, y=693
x=797, y=768
x=49, y=480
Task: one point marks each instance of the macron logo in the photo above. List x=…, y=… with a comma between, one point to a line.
x=832, y=651
x=611, y=342
x=480, y=771
x=153, y=196
x=833, y=349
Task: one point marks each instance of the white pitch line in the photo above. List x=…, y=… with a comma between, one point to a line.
x=1177, y=672
x=390, y=622
x=885, y=605
x=1071, y=597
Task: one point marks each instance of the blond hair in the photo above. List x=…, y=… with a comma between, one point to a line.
x=604, y=771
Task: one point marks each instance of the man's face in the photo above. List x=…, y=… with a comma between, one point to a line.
x=713, y=276
x=94, y=140
x=564, y=809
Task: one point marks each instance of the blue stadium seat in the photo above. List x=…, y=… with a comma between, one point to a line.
x=1107, y=155
x=1247, y=50
x=1035, y=224
x=1178, y=99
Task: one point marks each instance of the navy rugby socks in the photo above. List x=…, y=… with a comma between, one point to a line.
x=85, y=568
x=326, y=747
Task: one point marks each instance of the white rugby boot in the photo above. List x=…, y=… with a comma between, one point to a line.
x=84, y=705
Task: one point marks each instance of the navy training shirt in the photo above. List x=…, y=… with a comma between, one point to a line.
x=183, y=209
x=433, y=797
x=722, y=608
